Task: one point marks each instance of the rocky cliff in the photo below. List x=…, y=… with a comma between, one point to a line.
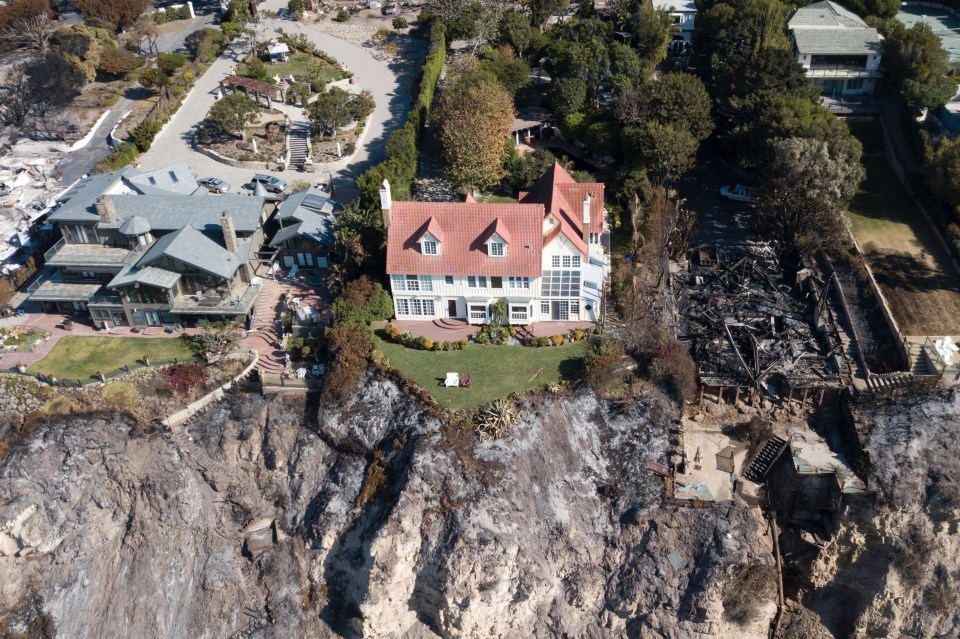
x=266, y=518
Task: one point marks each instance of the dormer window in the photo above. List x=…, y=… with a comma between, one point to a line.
x=497, y=249
x=430, y=247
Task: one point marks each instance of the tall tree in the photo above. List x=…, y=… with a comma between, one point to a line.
x=517, y=31
x=474, y=119
x=233, y=113
x=28, y=31
x=648, y=26
x=806, y=192
x=917, y=64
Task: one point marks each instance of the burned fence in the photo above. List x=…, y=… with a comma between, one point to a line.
x=753, y=330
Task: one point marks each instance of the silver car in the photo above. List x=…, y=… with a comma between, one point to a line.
x=214, y=185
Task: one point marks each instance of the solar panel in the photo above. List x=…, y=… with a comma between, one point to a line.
x=315, y=202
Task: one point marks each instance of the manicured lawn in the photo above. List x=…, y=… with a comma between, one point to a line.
x=495, y=371
x=81, y=357
x=912, y=269
x=303, y=64
x=497, y=199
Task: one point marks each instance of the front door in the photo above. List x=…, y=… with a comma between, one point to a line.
x=560, y=311
x=153, y=318
x=452, y=308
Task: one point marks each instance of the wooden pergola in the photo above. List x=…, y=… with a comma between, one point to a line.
x=257, y=88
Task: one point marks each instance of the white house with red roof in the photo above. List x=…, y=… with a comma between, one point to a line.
x=543, y=255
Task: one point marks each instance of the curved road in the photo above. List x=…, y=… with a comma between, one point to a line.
x=392, y=98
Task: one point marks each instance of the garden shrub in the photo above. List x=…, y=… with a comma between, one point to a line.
x=556, y=340
x=120, y=395
x=426, y=343
x=460, y=344
x=440, y=345
x=602, y=364
x=304, y=352
x=363, y=301
x=400, y=23
x=672, y=364
x=121, y=155
x=170, y=62
x=350, y=348
x=342, y=16
x=184, y=378
x=392, y=333
x=144, y=133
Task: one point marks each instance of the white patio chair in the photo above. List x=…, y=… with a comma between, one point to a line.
x=453, y=380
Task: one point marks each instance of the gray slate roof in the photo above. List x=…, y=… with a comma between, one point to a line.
x=825, y=14
x=176, y=178
x=135, y=225
x=172, y=212
x=149, y=275
x=310, y=214
x=77, y=203
x=192, y=247
x=838, y=41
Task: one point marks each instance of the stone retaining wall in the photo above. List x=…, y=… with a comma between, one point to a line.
x=216, y=395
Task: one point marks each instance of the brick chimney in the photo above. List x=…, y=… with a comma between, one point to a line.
x=587, y=201
x=229, y=232
x=386, y=203
x=106, y=209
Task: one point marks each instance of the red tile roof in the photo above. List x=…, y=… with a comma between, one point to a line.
x=464, y=227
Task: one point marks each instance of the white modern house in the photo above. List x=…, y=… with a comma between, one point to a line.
x=544, y=255
x=683, y=13
x=839, y=51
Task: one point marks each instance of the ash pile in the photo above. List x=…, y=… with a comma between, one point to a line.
x=753, y=328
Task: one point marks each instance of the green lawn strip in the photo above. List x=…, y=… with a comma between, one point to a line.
x=882, y=211
x=81, y=357
x=495, y=371
x=497, y=199
x=301, y=64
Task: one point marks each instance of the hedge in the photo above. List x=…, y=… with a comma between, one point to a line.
x=400, y=165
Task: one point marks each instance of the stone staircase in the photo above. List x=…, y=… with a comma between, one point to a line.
x=298, y=143
x=763, y=461
x=265, y=336
x=920, y=363
x=889, y=381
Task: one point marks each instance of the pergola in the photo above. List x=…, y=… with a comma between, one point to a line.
x=257, y=88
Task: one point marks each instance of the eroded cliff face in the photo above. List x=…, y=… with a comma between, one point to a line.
x=388, y=523
x=894, y=569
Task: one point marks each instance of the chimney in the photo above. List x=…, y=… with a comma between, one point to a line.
x=106, y=209
x=587, y=200
x=229, y=232
x=386, y=203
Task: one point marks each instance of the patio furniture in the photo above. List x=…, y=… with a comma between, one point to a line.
x=452, y=380
x=465, y=381
x=67, y=324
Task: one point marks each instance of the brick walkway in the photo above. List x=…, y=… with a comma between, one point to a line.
x=453, y=330
x=264, y=334
x=82, y=327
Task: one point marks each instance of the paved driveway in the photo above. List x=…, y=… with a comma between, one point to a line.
x=390, y=92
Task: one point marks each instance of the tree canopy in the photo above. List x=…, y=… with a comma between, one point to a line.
x=474, y=114
x=233, y=113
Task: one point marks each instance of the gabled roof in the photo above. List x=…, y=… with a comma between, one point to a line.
x=825, y=14
x=135, y=225
x=563, y=197
x=497, y=228
x=465, y=227
x=78, y=203
x=433, y=228
x=172, y=212
x=311, y=214
x=190, y=246
x=149, y=275
x=176, y=178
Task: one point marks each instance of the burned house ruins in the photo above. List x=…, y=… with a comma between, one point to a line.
x=755, y=331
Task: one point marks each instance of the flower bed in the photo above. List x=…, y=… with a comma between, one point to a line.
x=393, y=334
x=22, y=338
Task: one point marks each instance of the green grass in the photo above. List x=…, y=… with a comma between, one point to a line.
x=883, y=212
x=302, y=65
x=81, y=357
x=495, y=371
x=497, y=199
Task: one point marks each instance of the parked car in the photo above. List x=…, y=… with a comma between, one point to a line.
x=270, y=183
x=214, y=185
x=738, y=193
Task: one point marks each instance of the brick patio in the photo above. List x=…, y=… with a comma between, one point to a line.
x=453, y=330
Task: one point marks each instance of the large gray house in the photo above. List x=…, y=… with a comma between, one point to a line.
x=152, y=249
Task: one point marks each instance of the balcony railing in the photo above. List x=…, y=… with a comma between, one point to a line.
x=54, y=249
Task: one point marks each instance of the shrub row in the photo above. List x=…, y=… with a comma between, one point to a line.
x=393, y=334
x=400, y=165
x=574, y=335
x=121, y=155
x=171, y=14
